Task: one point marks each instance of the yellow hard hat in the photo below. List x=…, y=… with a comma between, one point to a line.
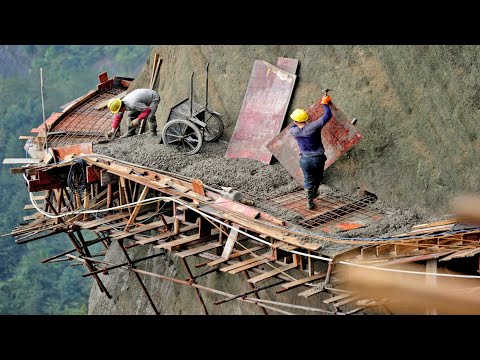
x=299, y=115
x=114, y=105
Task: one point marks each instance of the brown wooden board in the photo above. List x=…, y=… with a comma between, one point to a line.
x=338, y=136
x=198, y=250
x=263, y=112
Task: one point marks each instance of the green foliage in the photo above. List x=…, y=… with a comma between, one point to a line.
x=69, y=71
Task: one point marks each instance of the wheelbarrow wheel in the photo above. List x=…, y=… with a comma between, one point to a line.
x=214, y=127
x=184, y=134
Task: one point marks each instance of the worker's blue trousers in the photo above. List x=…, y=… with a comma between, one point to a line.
x=312, y=167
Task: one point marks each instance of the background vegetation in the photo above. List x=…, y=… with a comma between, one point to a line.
x=69, y=71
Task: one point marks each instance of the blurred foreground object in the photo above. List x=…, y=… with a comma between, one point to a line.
x=408, y=293
x=468, y=208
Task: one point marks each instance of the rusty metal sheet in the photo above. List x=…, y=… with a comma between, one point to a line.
x=288, y=64
x=338, y=136
x=83, y=148
x=263, y=112
x=51, y=119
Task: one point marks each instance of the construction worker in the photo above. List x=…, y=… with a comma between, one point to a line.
x=312, y=152
x=140, y=104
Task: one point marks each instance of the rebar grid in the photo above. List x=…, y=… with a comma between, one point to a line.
x=85, y=123
x=330, y=209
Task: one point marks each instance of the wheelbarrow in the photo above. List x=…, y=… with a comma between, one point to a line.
x=190, y=123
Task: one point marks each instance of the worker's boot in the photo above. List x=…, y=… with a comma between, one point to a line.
x=310, y=199
x=130, y=132
x=315, y=191
x=152, y=125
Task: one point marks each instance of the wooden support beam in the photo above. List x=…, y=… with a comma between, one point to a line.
x=230, y=243
x=198, y=250
x=237, y=254
x=21, y=161
x=296, y=283
x=142, y=197
x=185, y=240
x=272, y=273
x=248, y=266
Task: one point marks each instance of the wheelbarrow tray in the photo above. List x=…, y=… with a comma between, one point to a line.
x=182, y=110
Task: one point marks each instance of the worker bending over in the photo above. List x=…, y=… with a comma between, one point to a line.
x=312, y=152
x=139, y=104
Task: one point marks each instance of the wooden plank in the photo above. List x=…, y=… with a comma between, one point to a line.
x=437, y=223
x=154, y=66
x=142, y=197
x=33, y=217
x=240, y=264
x=21, y=161
x=23, y=137
x=30, y=206
x=198, y=250
x=310, y=292
x=237, y=254
x=19, y=170
x=461, y=254
x=100, y=221
x=401, y=249
x=337, y=298
x=230, y=243
x=347, y=300
x=156, y=72
x=198, y=186
x=385, y=249
x=249, y=266
x=295, y=283
x=104, y=103
x=369, y=251
x=165, y=235
x=177, y=187
x=137, y=230
x=168, y=220
x=272, y=273
x=182, y=241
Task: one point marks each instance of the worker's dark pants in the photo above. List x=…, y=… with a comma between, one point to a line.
x=312, y=167
x=151, y=119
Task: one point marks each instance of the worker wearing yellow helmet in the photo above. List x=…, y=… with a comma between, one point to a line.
x=312, y=152
x=140, y=104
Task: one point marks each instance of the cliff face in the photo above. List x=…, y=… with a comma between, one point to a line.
x=417, y=107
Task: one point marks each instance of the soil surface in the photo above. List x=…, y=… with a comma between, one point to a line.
x=257, y=180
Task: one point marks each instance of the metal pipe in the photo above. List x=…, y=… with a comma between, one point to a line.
x=191, y=94
x=43, y=110
x=120, y=265
x=120, y=242
x=206, y=88
x=248, y=292
x=196, y=290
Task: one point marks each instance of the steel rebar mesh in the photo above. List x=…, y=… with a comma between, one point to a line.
x=84, y=124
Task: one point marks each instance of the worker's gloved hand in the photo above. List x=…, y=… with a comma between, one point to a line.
x=326, y=100
x=135, y=123
x=111, y=132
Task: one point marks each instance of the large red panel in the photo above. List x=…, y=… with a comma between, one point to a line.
x=263, y=112
x=338, y=136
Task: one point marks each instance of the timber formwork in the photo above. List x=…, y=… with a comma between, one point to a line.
x=137, y=206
